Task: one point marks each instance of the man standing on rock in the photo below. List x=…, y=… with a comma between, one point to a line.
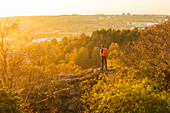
x=103, y=53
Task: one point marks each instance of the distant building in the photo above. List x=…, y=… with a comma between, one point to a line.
x=10, y=39
x=128, y=23
x=138, y=27
x=101, y=18
x=143, y=24
x=39, y=40
x=128, y=13
x=123, y=14
x=166, y=20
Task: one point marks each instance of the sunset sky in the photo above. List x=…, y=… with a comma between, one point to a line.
x=59, y=7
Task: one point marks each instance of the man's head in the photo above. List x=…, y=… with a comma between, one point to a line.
x=102, y=46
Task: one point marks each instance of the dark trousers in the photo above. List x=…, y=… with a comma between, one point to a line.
x=104, y=61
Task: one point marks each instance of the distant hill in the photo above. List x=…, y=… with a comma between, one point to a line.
x=77, y=24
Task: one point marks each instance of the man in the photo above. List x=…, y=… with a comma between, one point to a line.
x=103, y=53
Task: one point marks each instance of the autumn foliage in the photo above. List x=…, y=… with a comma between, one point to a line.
x=140, y=82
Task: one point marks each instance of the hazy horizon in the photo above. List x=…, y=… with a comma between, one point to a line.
x=82, y=7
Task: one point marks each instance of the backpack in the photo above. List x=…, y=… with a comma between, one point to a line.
x=105, y=52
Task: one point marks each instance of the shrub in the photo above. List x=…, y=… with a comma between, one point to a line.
x=127, y=94
x=9, y=102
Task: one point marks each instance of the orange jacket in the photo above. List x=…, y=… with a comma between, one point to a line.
x=104, y=52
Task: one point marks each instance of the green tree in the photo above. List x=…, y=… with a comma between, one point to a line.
x=9, y=102
x=96, y=56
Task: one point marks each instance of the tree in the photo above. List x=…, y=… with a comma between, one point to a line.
x=96, y=56
x=16, y=67
x=54, y=41
x=83, y=58
x=7, y=26
x=90, y=48
x=74, y=55
x=9, y=102
x=113, y=51
x=151, y=53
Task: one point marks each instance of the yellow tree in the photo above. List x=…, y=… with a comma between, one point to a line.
x=6, y=27
x=151, y=52
x=113, y=51
x=83, y=58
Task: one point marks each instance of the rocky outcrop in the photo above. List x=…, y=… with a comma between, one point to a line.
x=60, y=94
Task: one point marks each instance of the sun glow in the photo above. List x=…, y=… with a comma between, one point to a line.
x=58, y=7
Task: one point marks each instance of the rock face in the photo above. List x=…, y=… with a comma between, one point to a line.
x=61, y=94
